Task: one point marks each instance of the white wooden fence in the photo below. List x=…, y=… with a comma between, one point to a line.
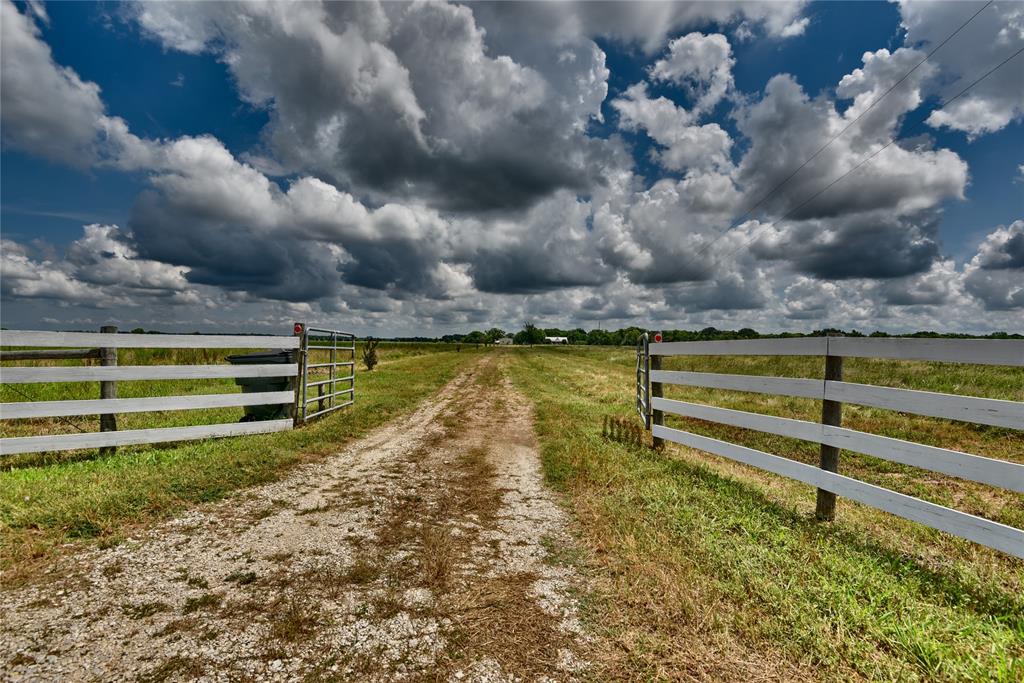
x=833, y=392
x=108, y=406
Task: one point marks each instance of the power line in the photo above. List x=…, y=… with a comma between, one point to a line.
x=30, y=398
x=873, y=154
x=849, y=125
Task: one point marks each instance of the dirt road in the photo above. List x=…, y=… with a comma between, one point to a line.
x=420, y=552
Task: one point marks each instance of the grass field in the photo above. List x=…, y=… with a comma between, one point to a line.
x=701, y=567
x=47, y=499
x=692, y=548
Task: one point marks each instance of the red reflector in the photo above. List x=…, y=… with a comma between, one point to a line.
x=657, y=336
x=298, y=328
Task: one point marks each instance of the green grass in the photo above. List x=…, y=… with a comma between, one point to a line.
x=46, y=500
x=696, y=554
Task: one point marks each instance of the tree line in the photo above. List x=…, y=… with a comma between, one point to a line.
x=628, y=336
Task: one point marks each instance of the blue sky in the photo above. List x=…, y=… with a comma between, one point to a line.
x=166, y=89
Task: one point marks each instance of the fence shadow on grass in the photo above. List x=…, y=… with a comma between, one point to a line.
x=624, y=430
x=947, y=587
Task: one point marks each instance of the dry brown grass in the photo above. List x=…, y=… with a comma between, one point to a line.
x=438, y=554
x=174, y=668
x=144, y=609
x=294, y=619
x=361, y=572
x=204, y=602
x=498, y=617
x=657, y=621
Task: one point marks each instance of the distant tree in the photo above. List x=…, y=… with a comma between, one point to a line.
x=475, y=337
x=530, y=334
x=494, y=334
x=370, y=353
x=629, y=336
x=747, y=333
x=138, y=330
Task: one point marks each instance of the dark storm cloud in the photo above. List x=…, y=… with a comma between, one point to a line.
x=390, y=264
x=518, y=272
x=526, y=164
x=736, y=291
x=1010, y=254
x=229, y=255
x=862, y=246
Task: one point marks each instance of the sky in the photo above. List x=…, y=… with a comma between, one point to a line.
x=403, y=169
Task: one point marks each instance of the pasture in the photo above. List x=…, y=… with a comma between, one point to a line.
x=695, y=548
x=697, y=566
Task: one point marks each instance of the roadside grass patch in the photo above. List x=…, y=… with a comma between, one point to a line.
x=712, y=569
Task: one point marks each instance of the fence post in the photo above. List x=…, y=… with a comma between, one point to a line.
x=108, y=357
x=831, y=414
x=298, y=409
x=657, y=416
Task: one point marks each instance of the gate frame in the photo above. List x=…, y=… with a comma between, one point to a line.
x=643, y=380
x=326, y=402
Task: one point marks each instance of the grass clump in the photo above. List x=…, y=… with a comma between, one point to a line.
x=144, y=609
x=361, y=572
x=174, y=668
x=241, y=578
x=294, y=620
x=206, y=601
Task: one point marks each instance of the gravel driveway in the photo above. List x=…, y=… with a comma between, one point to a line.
x=425, y=551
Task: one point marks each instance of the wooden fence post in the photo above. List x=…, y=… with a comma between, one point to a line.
x=299, y=383
x=831, y=414
x=108, y=357
x=657, y=416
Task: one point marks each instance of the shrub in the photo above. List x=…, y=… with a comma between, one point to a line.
x=370, y=353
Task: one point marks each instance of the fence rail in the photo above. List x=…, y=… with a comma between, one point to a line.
x=147, y=341
x=131, y=437
x=975, y=351
x=832, y=437
x=109, y=373
x=10, y=375
x=989, y=411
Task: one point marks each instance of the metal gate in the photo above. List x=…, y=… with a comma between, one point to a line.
x=643, y=380
x=326, y=358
